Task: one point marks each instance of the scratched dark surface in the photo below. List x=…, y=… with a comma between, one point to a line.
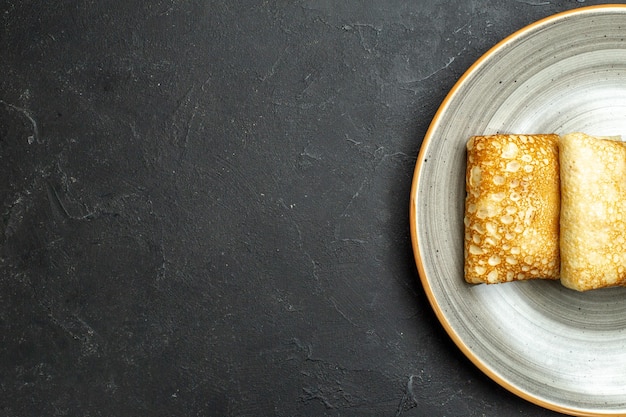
x=205, y=206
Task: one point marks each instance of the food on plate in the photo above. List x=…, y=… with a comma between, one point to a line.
x=512, y=208
x=593, y=212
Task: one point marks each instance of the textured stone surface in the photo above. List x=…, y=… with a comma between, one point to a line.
x=205, y=206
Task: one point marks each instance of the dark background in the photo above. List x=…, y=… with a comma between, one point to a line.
x=205, y=206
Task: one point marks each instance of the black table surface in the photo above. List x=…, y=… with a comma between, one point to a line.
x=205, y=206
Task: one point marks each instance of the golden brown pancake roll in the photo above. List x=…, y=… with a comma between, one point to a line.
x=593, y=212
x=512, y=208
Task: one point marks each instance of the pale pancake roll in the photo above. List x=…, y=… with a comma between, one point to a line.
x=512, y=208
x=593, y=212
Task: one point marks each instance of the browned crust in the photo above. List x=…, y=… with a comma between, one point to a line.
x=512, y=208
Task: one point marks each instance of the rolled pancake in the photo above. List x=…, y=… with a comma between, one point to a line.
x=593, y=212
x=512, y=208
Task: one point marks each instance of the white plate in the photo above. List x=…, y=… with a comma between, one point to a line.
x=558, y=348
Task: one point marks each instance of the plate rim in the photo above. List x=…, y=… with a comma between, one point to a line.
x=428, y=137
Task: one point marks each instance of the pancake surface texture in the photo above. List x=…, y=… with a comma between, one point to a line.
x=593, y=212
x=512, y=208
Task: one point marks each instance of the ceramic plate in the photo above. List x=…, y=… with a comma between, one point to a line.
x=558, y=348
